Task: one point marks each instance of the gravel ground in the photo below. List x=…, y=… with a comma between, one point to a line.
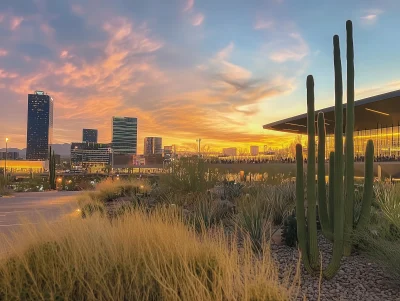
x=358, y=278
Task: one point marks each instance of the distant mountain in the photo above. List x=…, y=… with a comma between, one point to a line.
x=60, y=149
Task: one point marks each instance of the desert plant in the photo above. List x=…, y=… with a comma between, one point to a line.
x=380, y=248
x=136, y=257
x=254, y=219
x=387, y=196
x=187, y=175
x=289, y=231
x=52, y=169
x=341, y=218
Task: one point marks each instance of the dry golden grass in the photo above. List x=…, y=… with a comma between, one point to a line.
x=139, y=256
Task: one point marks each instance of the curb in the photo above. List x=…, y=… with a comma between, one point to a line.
x=7, y=196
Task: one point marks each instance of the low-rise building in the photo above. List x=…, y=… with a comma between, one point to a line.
x=88, y=154
x=254, y=150
x=10, y=155
x=24, y=166
x=230, y=151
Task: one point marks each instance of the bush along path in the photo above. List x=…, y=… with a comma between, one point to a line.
x=337, y=225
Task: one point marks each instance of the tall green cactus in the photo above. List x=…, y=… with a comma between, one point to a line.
x=331, y=189
x=52, y=169
x=322, y=203
x=311, y=201
x=349, y=142
x=334, y=222
x=338, y=224
x=301, y=219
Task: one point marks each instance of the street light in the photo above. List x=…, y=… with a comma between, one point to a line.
x=5, y=162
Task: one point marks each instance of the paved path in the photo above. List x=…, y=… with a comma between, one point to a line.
x=32, y=207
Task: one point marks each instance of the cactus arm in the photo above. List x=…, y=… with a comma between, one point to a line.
x=322, y=203
x=331, y=189
x=301, y=219
x=334, y=265
x=368, y=185
x=349, y=161
x=311, y=200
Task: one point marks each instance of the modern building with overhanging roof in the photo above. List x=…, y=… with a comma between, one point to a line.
x=376, y=118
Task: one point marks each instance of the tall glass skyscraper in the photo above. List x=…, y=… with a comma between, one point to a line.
x=124, y=135
x=153, y=146
x=40, y=126
x=89, y=135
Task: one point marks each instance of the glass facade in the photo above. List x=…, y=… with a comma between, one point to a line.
x=124, y=135
x=89, y=135
x=40, y=126
x=153, y=146
x=386, y=143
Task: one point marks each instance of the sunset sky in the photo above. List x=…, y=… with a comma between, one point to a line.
x=187, y=69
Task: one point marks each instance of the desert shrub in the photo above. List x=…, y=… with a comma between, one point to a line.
x=110, y=190
x=387, y=196
x=382, y=247
x=381, y=239
x=289, y=231
x=188, y=175
x=280, y=198
x=254, y=218
x=136, y=257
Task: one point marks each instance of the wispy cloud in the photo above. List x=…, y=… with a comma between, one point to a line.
x=371, y=16
x=295, y=51
x=15, y=22
x=3, y=52
x=263, y=24
x=189, y=5
x=197, y=19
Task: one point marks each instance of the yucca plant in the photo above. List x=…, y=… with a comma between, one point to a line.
x=255, y=219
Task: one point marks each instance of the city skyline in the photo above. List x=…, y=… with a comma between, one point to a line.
x=200, y=69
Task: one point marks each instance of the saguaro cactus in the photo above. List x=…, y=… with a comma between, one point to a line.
x=52, y=169
x=322, y=203
x=311, y=201
x=349, y=142
x=333, y=223
x=338, y=223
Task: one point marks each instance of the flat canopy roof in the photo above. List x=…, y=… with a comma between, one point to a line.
x=372, y=112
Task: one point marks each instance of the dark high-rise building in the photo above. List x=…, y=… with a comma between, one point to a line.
x=124, y=135
x=89, y=135
x=40, y=126
x=153, y=146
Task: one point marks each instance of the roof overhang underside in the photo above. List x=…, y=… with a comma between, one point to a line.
x=379, y=111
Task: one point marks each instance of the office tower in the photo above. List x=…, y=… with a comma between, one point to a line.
x=254, y=150
x=88, y=154
x=124, y=135
x=153, y=146
x=89, y=135
x=40, y=126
